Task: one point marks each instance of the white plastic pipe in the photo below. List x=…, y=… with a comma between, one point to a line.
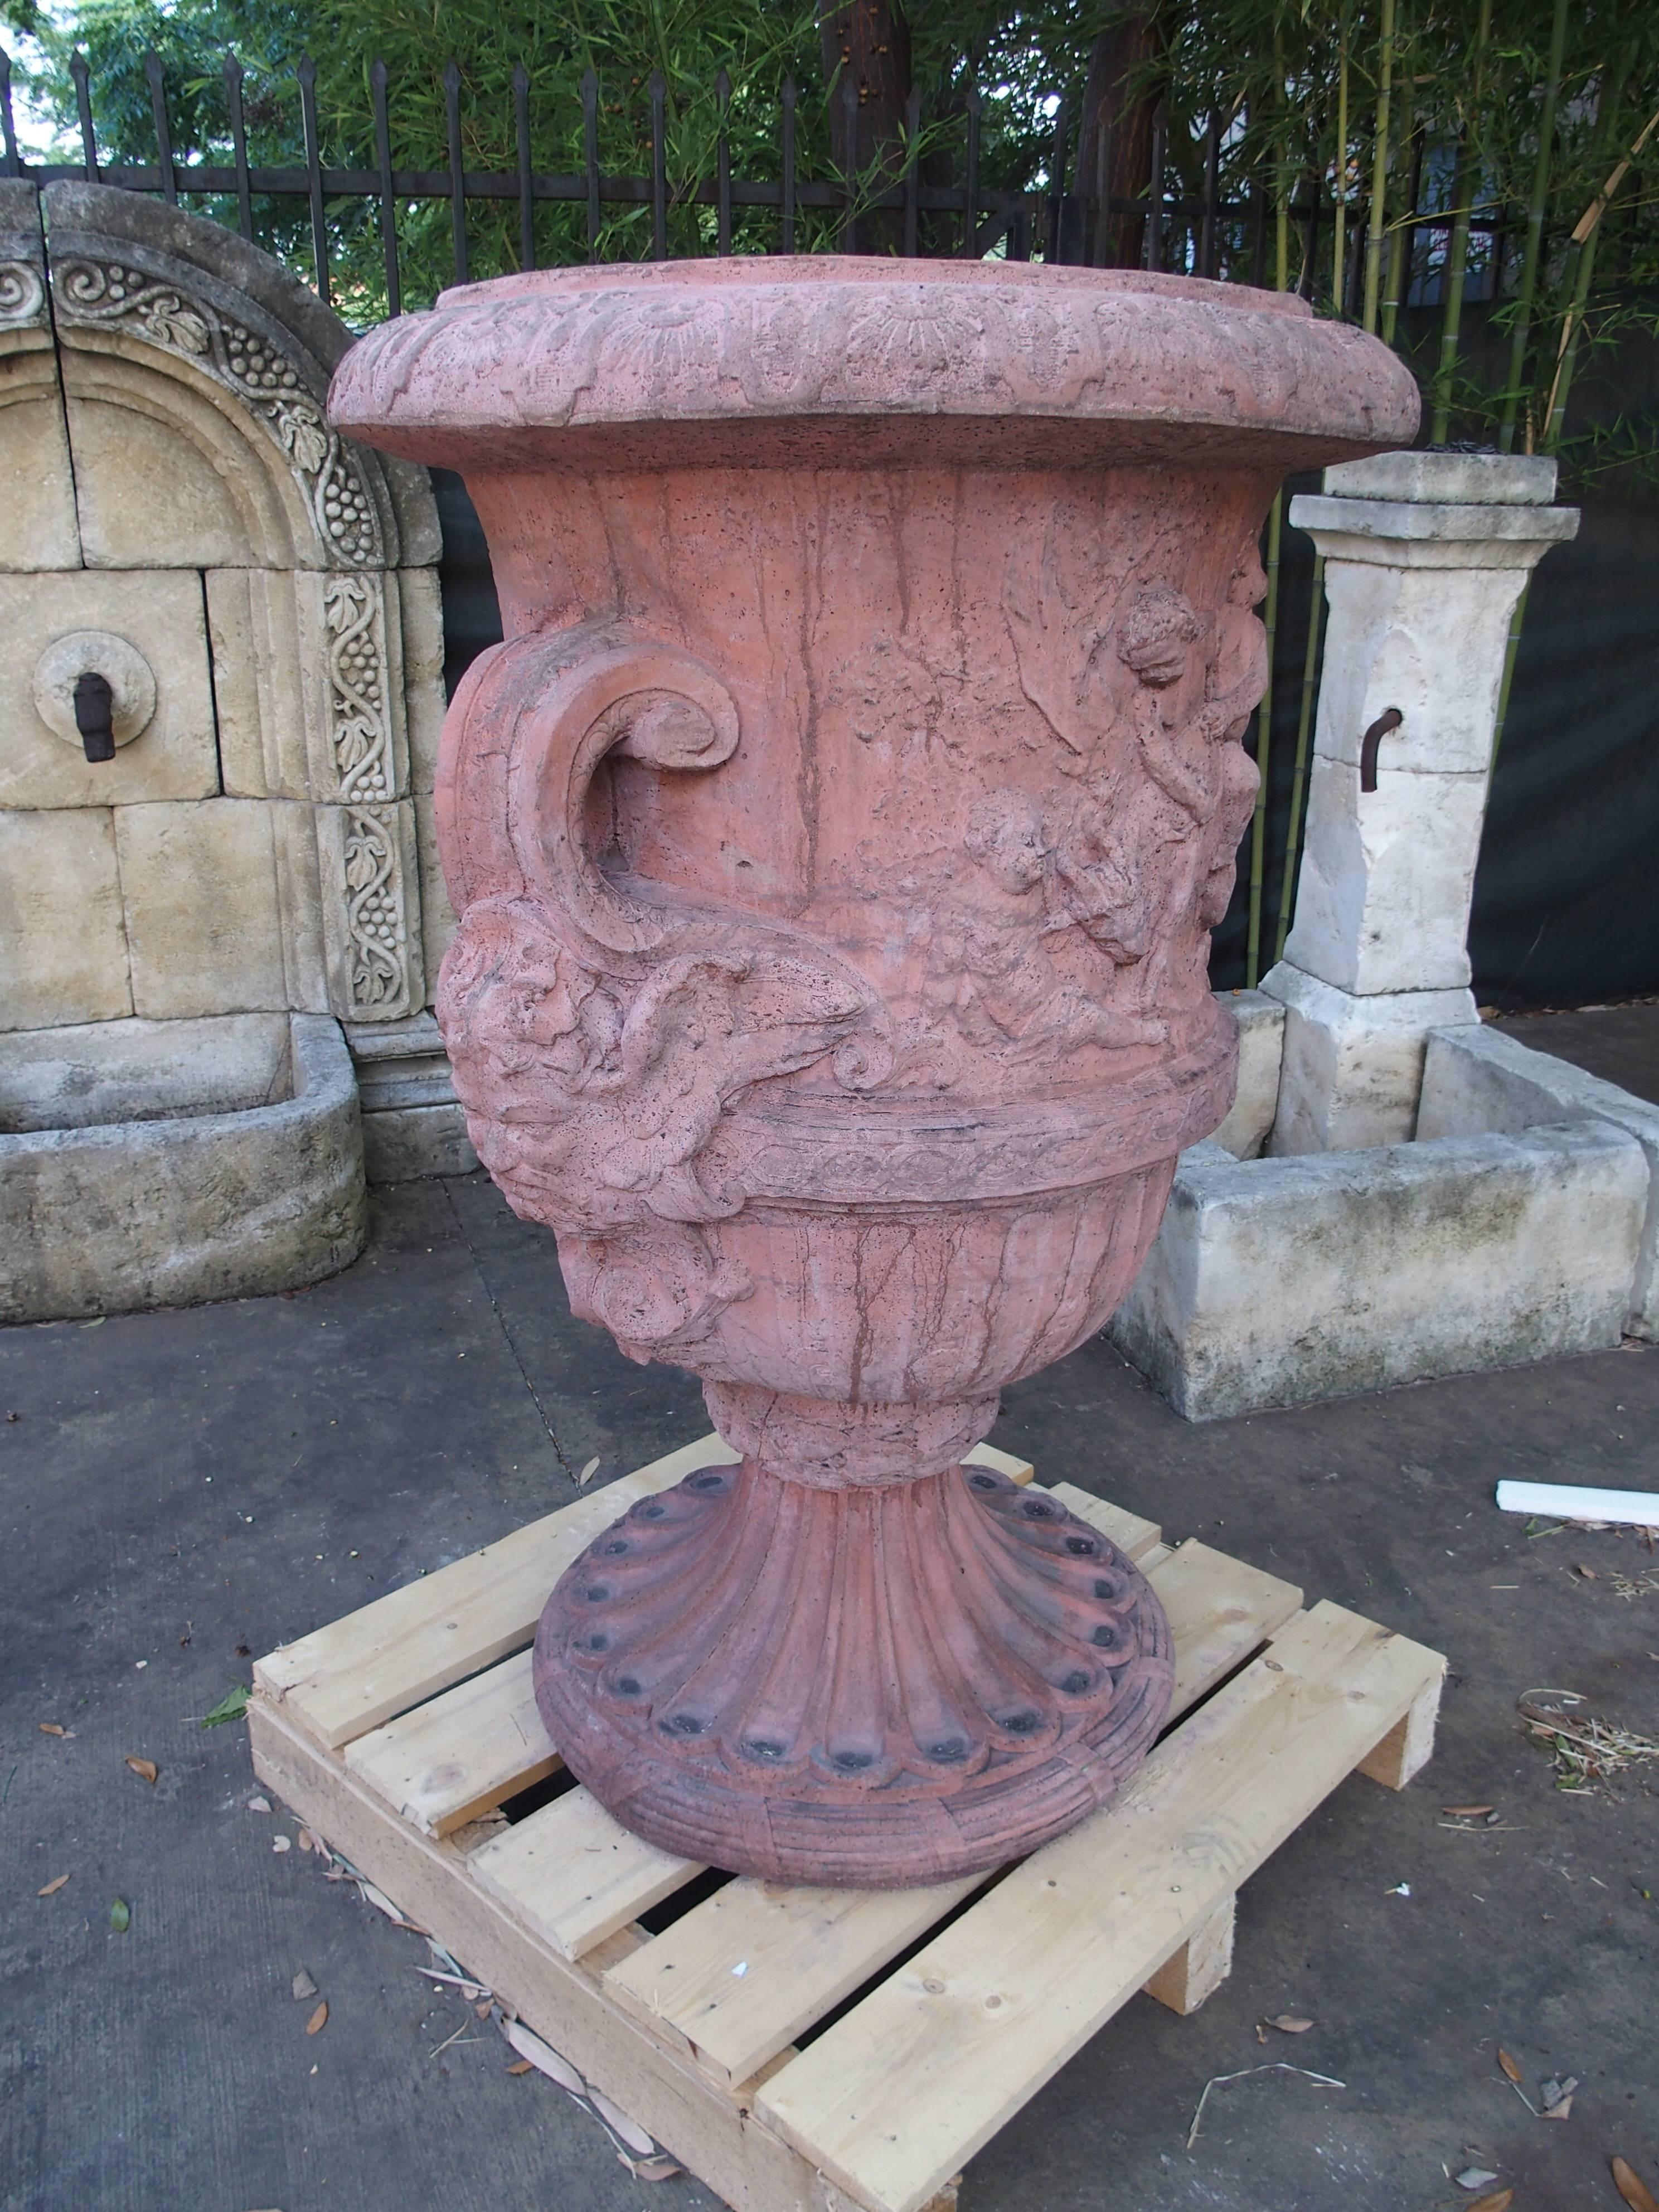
x=1565, y=1501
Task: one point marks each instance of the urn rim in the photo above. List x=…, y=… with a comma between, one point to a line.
x=834, y=360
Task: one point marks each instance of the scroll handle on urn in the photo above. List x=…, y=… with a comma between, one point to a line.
x=630, y=695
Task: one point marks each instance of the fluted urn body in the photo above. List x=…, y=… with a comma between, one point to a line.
x=835, y=840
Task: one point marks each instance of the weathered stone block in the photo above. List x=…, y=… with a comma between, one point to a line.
x=438, y=923
x=1276, y=1282
x=37, y=491
x=309, y=673
x=1477, y=1080
x=1352, y=1066
x=1383, y=896
x=161, y=472
x=204, y=921
x=62, y=938
x=1260, y=1050
x=160, y=617
x=1446, y=479
x=421, y=614
x=402, y=1144
x=171, y=1208
x=412, y=1123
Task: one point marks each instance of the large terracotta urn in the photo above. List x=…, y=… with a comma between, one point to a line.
x=835, y=838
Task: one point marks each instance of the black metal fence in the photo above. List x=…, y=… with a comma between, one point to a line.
x=1069, y=217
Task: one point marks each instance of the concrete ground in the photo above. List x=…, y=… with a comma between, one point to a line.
x=1619, y=1043
x=179, y=1491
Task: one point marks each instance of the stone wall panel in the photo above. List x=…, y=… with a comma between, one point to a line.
x=204, y=921
x=174, y=754
x=63, y=947
x=309, y=669
x=35, y=484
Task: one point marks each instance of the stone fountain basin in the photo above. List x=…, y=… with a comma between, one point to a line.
x=1522, y=1223
x=162, y=1162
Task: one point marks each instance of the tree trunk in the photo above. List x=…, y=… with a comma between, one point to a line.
x=1110, y=103
x=867, y=42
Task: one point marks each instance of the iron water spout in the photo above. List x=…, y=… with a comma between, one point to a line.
x=95, y=715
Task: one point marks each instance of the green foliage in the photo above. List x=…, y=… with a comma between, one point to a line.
x=233, y=1706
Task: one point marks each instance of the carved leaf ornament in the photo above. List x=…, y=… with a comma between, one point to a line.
x=117, y=296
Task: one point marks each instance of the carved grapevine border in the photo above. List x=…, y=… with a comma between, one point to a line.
x=375, y=930
x=360, y=723
x=115, y=294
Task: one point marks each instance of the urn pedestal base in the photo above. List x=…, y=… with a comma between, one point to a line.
x=875, y=1686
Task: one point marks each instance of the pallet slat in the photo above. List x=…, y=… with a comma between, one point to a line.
x=801, y=1951
x=1134, y=1537
x=460, y=1754
x=574, y=1875
x=899, y=2093
x=1220, y=1610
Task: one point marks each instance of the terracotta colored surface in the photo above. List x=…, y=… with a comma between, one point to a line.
x=836, y=835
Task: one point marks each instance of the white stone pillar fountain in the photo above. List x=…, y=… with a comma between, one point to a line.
x=1425, y=554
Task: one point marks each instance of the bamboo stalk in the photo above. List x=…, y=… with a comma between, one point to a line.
x=1536, y=205
x=1464, y=176
x=1585, y=238
x=1281, y=166
x=1380, y=170
x=1338, y=233
x=1264, y=728
x=1405, y=238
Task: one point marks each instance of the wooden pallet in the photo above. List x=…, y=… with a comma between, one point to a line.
x=397, y=1732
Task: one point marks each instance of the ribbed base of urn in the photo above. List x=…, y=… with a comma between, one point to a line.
x=865, y=1689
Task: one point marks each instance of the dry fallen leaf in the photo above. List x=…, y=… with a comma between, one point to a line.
x=588, y=1473
x=521, y=2066
x=303, y=1985
x=51, y=1728
x=1499, y=2201
x=1511, y=2071
x=543, y=2056
x=304, y=1839
x=1588, y=1573
x=258, y=1804
x=146, y=1768
x=659, y=2167
x=1288, y=2023
x=1632, y=2187
x=319, y=2020
x=53, y=1886
x=631, y=2130
x=1468, y=1812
